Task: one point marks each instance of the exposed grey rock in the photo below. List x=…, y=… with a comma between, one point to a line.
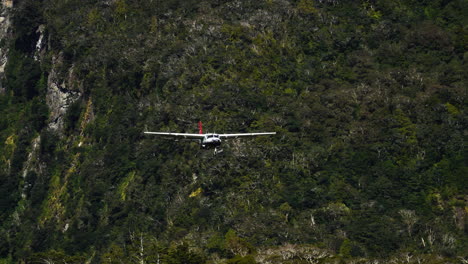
x=5, y=22
x=60, y=95
x=31, y=164
x=38, y=54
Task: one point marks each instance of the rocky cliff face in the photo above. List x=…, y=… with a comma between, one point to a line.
x=5, y=23
x=62, y=86
x=62, y=91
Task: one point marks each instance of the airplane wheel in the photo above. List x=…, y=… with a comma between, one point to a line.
x=217, y=151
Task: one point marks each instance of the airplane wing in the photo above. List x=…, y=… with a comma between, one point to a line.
x=177, y=135
x=246, y=135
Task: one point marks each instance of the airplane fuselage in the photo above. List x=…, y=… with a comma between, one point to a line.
x=210, y=141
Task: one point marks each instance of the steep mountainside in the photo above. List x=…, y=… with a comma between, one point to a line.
x=368, y=99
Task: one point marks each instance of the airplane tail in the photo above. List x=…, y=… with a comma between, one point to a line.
x=200, y=127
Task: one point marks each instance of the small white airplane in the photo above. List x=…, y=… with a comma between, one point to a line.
x=209, y=140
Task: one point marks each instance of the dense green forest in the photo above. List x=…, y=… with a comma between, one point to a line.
x=368, y=99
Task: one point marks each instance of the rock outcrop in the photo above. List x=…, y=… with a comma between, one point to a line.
x=5, y=22
x=60, y=94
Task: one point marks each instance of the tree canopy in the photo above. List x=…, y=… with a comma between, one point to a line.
x=368, y=99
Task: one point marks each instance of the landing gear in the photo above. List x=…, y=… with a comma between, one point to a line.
x=217, y=151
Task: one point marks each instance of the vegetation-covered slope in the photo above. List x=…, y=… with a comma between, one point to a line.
x=368, y=99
